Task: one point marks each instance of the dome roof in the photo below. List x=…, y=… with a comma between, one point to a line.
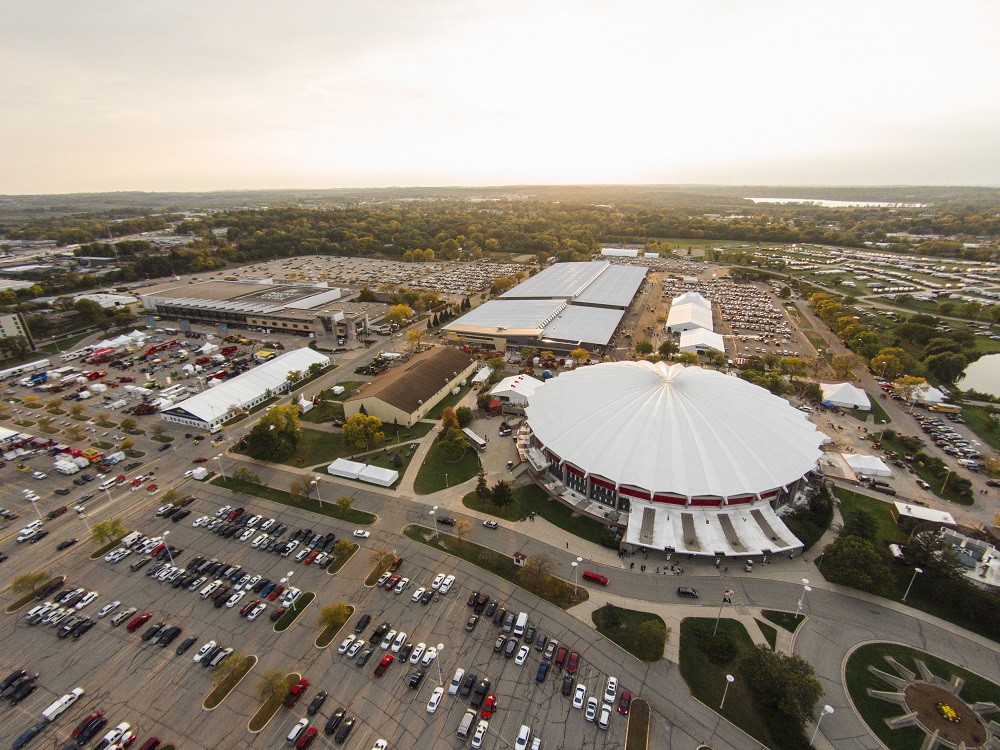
x=674, y=429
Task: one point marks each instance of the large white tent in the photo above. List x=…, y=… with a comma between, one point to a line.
x=363, y=472
x=845, y=395
x=868, y=466
x=517, y=389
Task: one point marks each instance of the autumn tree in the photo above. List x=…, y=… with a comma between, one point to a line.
x=229, y=668
x=344, y=503
x=107, y=531
x=462, y=528
x=332, y=616
x=363, y=431
x=399, y=314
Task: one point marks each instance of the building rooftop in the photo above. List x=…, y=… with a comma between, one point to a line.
x=509, y=316
x=584, y=325
x=614, y=287
x=409, y=385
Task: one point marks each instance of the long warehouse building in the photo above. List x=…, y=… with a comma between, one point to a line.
x=222, y=402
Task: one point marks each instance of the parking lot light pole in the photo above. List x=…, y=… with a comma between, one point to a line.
x=729, y=681
x=806, y=588
x=916, y=572
x=880, y=432
x=438, y=660
x=574, y=564
x=434, y=521
x=827, y=709
x=83, y=518
x=221, y=471
x=318, y=496
x=169, y=553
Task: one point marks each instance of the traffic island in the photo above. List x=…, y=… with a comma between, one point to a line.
x=381, y=567
x=330, y=632
x=294, y=611
x=271, y=703
x=228, y=683
x=340, y=560
x=784, y=620
x=106, y=548
x=642, y=634
x=637, y=729
x=32, y=595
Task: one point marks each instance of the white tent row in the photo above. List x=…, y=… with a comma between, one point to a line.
x=869, y=466
x=845, y=395
x=363, y=472
x=117, y=342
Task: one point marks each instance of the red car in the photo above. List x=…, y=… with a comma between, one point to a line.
x=249, y=605
x=276, y=593
x=574, y=662
x=83, y=724
x=310, y=557
x=136, y=482
x=139, y=621
x=307, y=738
x=490, y=706
x=199, y=460
x=151, y=744
x=278, y=612
x=393, y=580
x=296, y=692
x=625, y=702
x=561, y=655
x=383, y=665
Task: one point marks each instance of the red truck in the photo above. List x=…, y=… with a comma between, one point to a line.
x=297, y=691
x=229, y=350
x=96, y=374
x=142, y=409
x=203, y=361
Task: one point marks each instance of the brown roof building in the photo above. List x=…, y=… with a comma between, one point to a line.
x=406, y=394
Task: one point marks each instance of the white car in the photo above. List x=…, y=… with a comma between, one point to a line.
x=490, y=524
x=346, y=643
x=113, y=554
x=38, y=475
x=387, y=640
x=591, y=713
x=321, y=559
x=605, y=718
x=522, y=655
x=417, y=594
x=429, y=657
x=611, y=690
x=355, y=647
x=255, y=612
x=235, y=599
x=115, y=734
x=86, y=600
x=124, y=741
x=417, y=653
x=188, y=473
x=446, y=585
x=223, y=511
x=246, y=535
x=403, y=583
x=382, y=579
x=251, y=583
x=290, y=596
x=438, y=580
x=456, y=681
x=267, y=524
x=580, y=696
x=203, y=650
x=298, y=729
x=302, y=554
x=435, y=701
x=200, y=521
x=262, y=539
x=480, y=735
x=380, y=745
x=361, y=534
x=398, y=642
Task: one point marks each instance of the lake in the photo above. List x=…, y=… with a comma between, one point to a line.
x=983, y=375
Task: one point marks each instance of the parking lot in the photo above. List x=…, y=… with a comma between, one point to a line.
x=161, y=693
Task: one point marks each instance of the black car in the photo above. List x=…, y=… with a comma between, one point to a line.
x=511, y=648
x=11, y=678
x=38, y=535
x=491, y=608
x=480, y=693
x=567, y=684
x=164, y=447
x=85, y=498
x=167, y=636
x=66, y=544
x=426, y=597
x=83, y=627
x=446, y=521
x=540, y=643
x=380, y=631
x=186, y=644
x=180, y=515
x=87, y=477
x=91, y=731
x=62, y=491
x=153, y=631
x=992, y=483
x=28, y=735
x=345, y=730
x=472, y=598
x=416, y=678
x=22, y=692
x=471, y=623
x=261, y=585
x=316, y=703
x=334, y=721
x=499, y=615
x=79, y=482
x=362, y=624
x=470, y=681
x=16, y=685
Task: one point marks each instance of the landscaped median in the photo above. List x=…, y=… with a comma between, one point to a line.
x=98, y=554
x=271, y=698
x=340, y=560
x=39, y=581
x=332, y=617
x=531, y=578
x=294, y=611
x=229, y=681
x=637, y=731
x=437, y=472
x=380, y=567
x=359, y=517
x=642, y=634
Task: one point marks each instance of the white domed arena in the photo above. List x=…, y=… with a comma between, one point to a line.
x=688, y=460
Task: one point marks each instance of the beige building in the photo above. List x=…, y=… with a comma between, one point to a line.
x=14, y=325
x=408, y=392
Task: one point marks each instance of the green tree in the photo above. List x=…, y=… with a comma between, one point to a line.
x=106, y=531
x=127, y=444
x=889, y=363
x=686, y=358
x=293, y=377
x=482, y=488
x=946, y=366
x=782, y=684
x=501, y=494
x=342, y=547
x=362, y=431
x=276, y=435
x=454, y=443
x=483, y=400
x=930, y=552
x=314, y=369
x=243, y=478
x=128, y=424
x=88, y=311
x=29, y=581
x=843, y=364
x=230, y=667
x=464, y=416
x=854, y=561
x=861, y=523
x=643, y=347
x=667, y=349
x=344, y=503
x=334, y=615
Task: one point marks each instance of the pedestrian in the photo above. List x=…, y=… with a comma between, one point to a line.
x=727, y=569
x=567, y=545
x=631, y=566
x=657, y=570
x=717, y=563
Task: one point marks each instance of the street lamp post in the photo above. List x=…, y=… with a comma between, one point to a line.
x=916, y=572
x=729, y=681
x=440, y=648
x=946, y=477
x=880, y=432
x=318, y=496
x=432, y=512
x=827, y=709
x=446, y=481
x=219, y=460
x=167, y=546
x=83, y=518
x=574, y=565
x=806, y=588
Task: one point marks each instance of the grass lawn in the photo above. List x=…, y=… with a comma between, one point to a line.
x=349, y=388
x=340, y=560
x=624, y=627
x=324, y=411
x=330, y=631
x=553, y=590
x=533, y=498
x=449, y=400
x=23, y=601
x=225, y=687
x=877, y=414
x=64, y=344
x=103, y=445
x=637, y=735
x=874, y=711
x=278, y=496
x=888, y=531
x=270, y=707
x=768, y=632
x=437, y=473
x=978, y=420
x=398, y=433
x=23, y=422
x=706, y=679
x=294, y=611
x=784, y=620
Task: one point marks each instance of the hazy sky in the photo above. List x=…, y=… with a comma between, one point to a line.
x=213, y=94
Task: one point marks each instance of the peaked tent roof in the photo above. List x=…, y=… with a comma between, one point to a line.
x=845, y=395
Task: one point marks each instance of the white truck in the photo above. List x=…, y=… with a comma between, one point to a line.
x=50, y=713
x=114, y=458
x=66, y=467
